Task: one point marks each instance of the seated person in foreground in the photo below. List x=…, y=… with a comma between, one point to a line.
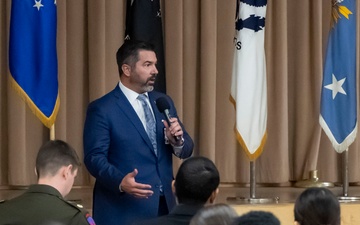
x=195, y=184
x=257, y=218
x=218, y=214
x=43, y=203
x=317, y=206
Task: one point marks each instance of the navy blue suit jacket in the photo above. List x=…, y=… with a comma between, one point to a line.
x=115, y=143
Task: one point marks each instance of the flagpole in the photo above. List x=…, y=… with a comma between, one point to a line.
x=345, y=177
x=345, y=172
x=252, y=180
x=253, y=199
x=52, y=132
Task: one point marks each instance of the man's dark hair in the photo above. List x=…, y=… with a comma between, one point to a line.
x=53, y=155
x=257, y=218
x=317, y=206
x=196, y=180
x=128, y=53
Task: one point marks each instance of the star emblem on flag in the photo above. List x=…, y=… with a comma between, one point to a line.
x=336, y=86
x=38, y=5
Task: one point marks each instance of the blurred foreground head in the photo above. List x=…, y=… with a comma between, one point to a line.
x=218, y=214
x=317, y=206
x=197, y=181
x=257, y=218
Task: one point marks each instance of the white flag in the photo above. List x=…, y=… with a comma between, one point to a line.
x=248, y=88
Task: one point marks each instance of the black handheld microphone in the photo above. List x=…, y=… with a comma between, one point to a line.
x=164, y=106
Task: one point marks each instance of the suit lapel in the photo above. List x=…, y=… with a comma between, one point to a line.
x=125, y=106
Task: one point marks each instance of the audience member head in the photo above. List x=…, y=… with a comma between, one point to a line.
x=257, y=218
x=317, y=206
x=56, y=165
x=128, y=53
x=197, y=181
x=218, y=214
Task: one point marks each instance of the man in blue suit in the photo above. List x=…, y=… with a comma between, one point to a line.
x=133, y=171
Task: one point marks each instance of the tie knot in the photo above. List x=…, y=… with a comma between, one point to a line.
x=142, y=97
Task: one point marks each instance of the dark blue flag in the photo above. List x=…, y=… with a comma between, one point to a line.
x=143, y=22
x=338, y=114
x=32, y=56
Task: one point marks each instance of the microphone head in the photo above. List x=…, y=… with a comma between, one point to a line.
x=162, y=104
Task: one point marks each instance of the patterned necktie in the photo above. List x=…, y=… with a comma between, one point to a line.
x=150, y=121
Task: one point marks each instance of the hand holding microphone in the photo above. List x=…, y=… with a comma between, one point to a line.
x=174, y=126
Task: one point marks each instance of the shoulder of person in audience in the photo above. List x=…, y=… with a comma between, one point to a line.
x=82, y=212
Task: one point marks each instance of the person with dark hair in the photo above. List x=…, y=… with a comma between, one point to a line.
x=43, y=203
x=218, y=214
x=317, y=206
x=257, y=218
x=196, y=183
x=129, y=142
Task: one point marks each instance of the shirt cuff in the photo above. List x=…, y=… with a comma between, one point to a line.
x=178, y=149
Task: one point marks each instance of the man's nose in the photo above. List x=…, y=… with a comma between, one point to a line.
x=155, y=71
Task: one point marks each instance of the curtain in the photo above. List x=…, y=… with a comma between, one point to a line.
x=198, y=51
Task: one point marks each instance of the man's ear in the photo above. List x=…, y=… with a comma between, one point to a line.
x=126, y=69
x=213, y=196
x=67, y=171
x=173, y=187
x=296, y=223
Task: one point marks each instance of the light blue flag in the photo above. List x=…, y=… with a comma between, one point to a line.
x=338, y=114
x=32, y=56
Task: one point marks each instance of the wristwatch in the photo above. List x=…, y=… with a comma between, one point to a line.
x=182, y=141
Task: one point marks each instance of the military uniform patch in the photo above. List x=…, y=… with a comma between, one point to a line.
x=89, y=219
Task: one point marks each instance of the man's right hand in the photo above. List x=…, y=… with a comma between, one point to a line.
x=130, y=186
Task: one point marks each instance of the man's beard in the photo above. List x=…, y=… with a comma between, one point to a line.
x=149, y=88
